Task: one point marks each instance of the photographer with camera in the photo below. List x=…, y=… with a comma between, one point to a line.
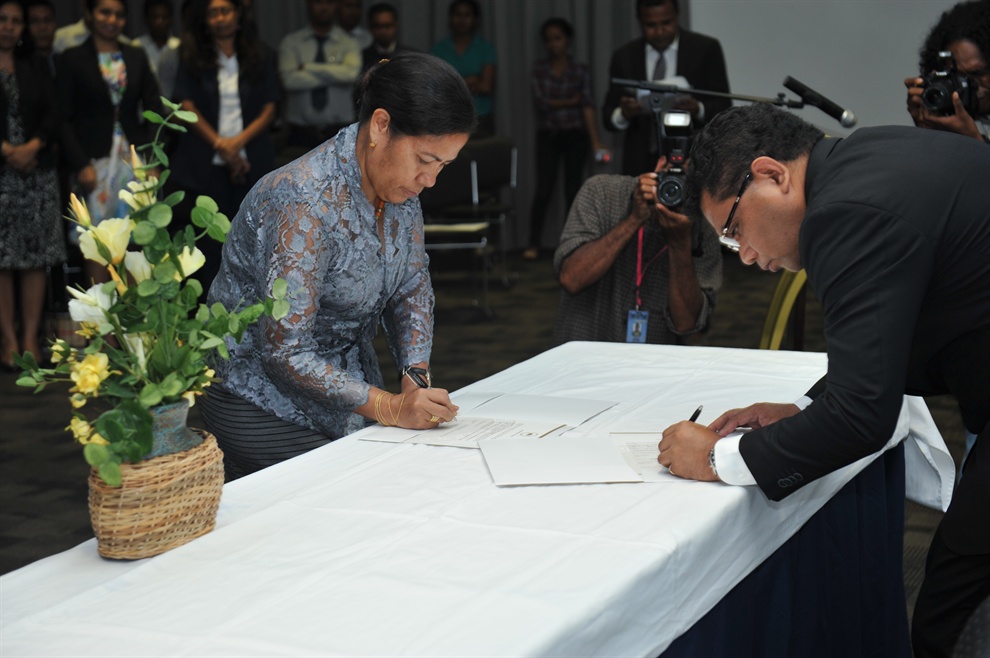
x=953, y=92
x=633, y=269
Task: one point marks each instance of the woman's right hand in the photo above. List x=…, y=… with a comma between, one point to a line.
x=86, y=177
x=423, y=408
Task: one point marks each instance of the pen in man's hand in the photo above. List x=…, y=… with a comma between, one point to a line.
x=697, y=412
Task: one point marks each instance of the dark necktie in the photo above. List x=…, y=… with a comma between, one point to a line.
x=660, y=70
x=319, y=95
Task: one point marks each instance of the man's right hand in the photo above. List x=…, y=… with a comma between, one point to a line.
x=755, y=416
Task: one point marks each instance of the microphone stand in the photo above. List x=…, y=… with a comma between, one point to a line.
x=658, y=90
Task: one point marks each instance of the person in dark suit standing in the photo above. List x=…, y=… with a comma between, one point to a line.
x=664, y=51
x=103, y=87
x=896, y=248
x=383, y=23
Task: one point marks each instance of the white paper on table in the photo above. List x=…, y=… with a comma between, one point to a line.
x=577, y=460
x=640, y=451
x=469, y=432
x=541, y=409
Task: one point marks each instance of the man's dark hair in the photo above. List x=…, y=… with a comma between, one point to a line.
x=966, y=20
x=472, y=4
x=644, y=4
x=151, y=4
x=41, y=3
x=723, y=151
x=560, y=23
x=423, y=95
x=381, y=8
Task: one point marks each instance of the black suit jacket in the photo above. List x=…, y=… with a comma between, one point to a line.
x=192, y=160
x=699, y=60
x=38, y=110
x=896, y=243
x=87, y=131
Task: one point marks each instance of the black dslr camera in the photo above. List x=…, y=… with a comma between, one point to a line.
x=939, y=85
x=675, y=138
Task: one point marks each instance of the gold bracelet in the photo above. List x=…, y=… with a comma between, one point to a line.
x=378, y=409
x=395, y=419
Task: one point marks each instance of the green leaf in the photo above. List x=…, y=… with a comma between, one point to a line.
x=279, y=288
x=208, y=203
x=170, y=105
x=160, y=154
x=110, y=473
x=176, y=127
x=26, y=380
x=187, y=116
x=144, y=233
x=201, y=216
x=222, y=351
x=96, y=455
x=172, y=386
x=153, y=117
x=280, y=309
x=162, y=178
x=196, y=287
x=160, y=215
x=174, y=199
x=148, y=287
x=150, y=395
x=165, y=272
x=210, y=343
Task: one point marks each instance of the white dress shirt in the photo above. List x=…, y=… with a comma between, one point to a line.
x=301, y=74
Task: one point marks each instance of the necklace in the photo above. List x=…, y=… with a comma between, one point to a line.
x=379, y=209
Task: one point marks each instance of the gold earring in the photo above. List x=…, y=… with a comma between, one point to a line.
x=373, y=145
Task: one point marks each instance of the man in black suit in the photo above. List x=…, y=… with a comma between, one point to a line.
x=383, y=23
x=664, y=50
x=892, y=225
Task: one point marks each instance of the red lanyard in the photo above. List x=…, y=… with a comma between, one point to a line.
x=640, y=269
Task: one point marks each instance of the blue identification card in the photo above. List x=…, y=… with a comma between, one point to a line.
x=636, y=326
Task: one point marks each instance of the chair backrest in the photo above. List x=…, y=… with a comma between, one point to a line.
x=497, y=163
x=781, y=305
x=455, y=186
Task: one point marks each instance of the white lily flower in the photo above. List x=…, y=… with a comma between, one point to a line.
x=114, y=234
x=91, y=307
x=137, y=265
x=190, y=261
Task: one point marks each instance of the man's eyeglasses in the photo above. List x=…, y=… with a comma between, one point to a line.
x=725, y=239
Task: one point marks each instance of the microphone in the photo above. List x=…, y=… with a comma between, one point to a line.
x=811, y=97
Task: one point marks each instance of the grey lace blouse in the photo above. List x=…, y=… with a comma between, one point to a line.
x=310, y=224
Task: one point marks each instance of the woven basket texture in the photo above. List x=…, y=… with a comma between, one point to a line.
x=163, y=502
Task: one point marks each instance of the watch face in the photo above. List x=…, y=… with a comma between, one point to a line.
x=420, y=376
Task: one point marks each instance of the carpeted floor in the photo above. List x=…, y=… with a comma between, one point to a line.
x=43, y=507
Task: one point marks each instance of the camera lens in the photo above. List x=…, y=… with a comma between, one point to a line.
x=670, y=191
x=937, y=98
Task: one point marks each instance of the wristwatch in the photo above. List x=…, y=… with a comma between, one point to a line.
x=711, y=461
x=420, y=376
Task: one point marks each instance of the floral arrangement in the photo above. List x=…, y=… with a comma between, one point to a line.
x=147, y=334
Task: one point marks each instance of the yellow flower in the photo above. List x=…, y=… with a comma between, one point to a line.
x=95, y=437
x=190, y=261
x=77, y=400
x=89, y=373
x=80, y=429
x=190, y=397
x=79, y=211
x=114, y=234
x=136, y=165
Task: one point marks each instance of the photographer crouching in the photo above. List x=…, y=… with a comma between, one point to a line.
x=953, y=91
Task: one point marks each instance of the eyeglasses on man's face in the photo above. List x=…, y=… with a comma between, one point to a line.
x=727, y=238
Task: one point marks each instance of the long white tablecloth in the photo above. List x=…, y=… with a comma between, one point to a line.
x=375, y=549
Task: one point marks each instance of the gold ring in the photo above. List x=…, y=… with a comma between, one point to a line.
x=434, y=419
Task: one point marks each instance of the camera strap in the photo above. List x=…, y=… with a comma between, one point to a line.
x=640, y=268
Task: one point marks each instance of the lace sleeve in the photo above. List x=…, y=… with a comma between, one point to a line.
x=408, y=317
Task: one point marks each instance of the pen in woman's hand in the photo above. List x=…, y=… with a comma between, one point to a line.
x=697, y=412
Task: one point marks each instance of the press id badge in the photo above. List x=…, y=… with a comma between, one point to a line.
x=636, y=326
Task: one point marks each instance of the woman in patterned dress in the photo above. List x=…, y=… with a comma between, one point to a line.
x=31, y=230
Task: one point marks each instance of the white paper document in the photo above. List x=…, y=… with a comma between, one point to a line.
x=578, y=460
x=488, y=416
x=639, y=449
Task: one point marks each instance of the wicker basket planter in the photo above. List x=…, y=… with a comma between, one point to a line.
x=163, y=502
